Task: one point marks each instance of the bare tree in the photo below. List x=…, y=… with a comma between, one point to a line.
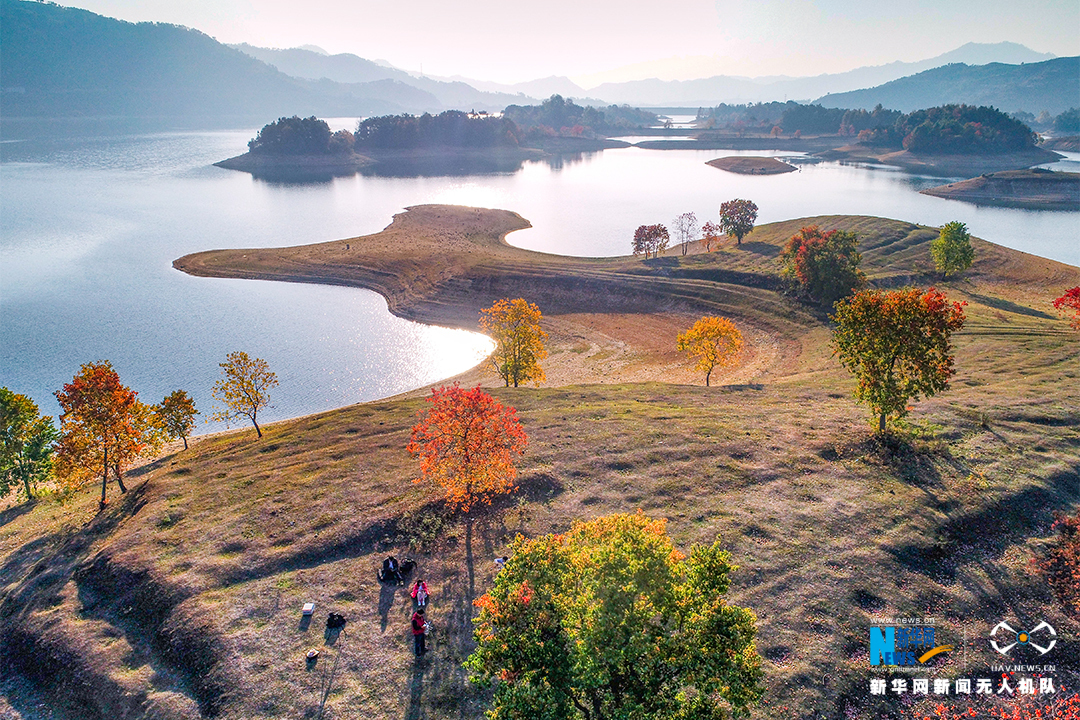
x=686, y=228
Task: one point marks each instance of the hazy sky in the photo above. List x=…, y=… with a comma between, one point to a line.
x=508, y=41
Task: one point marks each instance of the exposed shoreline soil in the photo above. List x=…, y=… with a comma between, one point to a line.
x=263, y=162
x=1035, y=189
x=608, y=319
x=941, y=165
x=752, y=165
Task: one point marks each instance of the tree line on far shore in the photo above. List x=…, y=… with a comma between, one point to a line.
x=944, y=129
x=515, y=127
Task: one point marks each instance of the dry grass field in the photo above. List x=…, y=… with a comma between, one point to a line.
x=182, y=599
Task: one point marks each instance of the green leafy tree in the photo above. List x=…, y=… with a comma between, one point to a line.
x=176, y=416
x=737, y=218
x=26, y=444
x=897, y=344
x=951, y=249
x=824, y=266
x=610, y=621
x=244, y=389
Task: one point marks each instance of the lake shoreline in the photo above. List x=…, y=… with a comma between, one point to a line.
x=942, y=164
x=441, y=264
x=752, y=165
x=1028, y=189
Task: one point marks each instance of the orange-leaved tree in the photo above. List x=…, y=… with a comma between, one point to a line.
x=515, y=326
x=710, y=233
x=1070, y=303
x=103, y=425
x=896, y=343
x=467, y=444
x=713, y=341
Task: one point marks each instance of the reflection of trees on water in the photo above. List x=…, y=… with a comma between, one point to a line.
x=442, y=166
x=298, y=178
x=412, y=167
x=560, y=160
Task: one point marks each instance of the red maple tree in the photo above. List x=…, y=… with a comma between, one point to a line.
x=467, y=444
x=1070, y=303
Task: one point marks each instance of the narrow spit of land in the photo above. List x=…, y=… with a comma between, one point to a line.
x=1035, y=188
x=181, y=601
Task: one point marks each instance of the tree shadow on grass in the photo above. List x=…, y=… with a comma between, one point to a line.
x=16, y=511
x=1008, y=306
x=987, y=531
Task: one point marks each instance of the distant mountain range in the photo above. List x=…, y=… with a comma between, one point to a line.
x=346, y=68
x=1053, y=85
x=315, y=63
x=723, y=88
x=66, y=62
x=59, y=62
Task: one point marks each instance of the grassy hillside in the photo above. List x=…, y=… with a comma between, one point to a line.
x=182, y=599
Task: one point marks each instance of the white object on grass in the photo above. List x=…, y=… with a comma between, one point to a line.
x=309, y=609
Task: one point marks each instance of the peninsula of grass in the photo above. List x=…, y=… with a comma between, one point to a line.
x=752, y=165
x=1036, y=188
x=182, y=599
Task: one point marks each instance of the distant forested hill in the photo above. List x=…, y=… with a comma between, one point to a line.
x=65, y=62
x=1051, y=85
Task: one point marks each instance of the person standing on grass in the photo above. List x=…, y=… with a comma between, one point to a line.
x=419, y=628
x=420, y=593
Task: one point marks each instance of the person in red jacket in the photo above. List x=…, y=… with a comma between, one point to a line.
x=419, y=628
x=419, y=592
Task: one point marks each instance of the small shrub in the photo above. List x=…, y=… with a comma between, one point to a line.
x=1061, y=563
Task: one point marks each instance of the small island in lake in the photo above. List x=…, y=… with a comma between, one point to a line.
x=949, y=140
x=752, y=165
x=299, y=145
x=1036, y=188
x=452, y=142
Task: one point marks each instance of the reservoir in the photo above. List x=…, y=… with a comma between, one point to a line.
x=90, y=225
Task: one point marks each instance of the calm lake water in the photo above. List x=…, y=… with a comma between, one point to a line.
x=89, y=227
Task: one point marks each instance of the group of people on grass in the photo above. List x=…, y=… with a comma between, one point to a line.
x=393, y=572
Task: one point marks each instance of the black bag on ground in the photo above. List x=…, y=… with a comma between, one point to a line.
x=335, y=621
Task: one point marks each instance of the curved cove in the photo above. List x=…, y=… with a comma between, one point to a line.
x=89, y=227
